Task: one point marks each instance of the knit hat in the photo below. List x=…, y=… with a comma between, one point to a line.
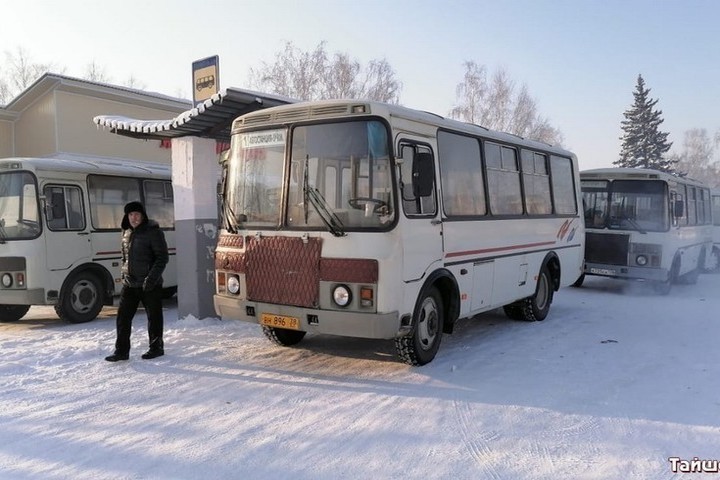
x=135, y=207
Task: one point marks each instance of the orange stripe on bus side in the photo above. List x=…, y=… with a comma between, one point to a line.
x=498, y=249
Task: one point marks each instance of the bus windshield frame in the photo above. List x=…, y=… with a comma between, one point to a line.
x=641, y=205
x=336, y=176
x=19, y=206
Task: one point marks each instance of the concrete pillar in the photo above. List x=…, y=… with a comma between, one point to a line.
x=195, y=173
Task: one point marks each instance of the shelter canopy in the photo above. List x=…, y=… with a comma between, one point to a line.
x=210, y=119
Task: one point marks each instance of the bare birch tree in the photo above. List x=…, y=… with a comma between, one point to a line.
x=315, y=75
x=499, y=104
x=696, y=157
x=96, y=73
x=18, y=73
x=133, y=82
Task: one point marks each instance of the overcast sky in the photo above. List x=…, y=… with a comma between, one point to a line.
x=579, y=58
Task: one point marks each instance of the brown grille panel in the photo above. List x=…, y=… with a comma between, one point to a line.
x=229, y=240
x=234, y=262
x=283, y=270
x=350, y=270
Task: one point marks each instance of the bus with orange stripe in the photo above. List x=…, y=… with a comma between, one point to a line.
x=370, y=220
x=60, y=230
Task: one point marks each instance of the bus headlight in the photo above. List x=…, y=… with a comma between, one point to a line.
x=641, y=260
x=7, y=280
x=342, y=296
x=233, y=284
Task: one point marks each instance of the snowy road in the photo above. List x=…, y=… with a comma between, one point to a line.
x=615, y=382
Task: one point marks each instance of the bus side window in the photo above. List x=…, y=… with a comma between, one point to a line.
x=64, y=208
x=412, y=204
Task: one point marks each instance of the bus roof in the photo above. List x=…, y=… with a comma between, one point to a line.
x=327, y=109
x=617, y=173
x=87, y=164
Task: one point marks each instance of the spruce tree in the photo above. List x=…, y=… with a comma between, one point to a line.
x=643, y=144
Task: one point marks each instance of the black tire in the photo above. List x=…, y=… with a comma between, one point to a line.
x=81, y=298
x=421, y=345
x=536, y=307
x=13, y=313
x=691, y=277
x=513, y=311
x=283, y=336
x=578, y=283
x=663, y=288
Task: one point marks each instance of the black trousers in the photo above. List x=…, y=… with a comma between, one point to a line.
x=130, y=298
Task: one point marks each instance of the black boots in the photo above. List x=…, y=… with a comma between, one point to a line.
x=116, y=357
x=157, y=349
x=153, y=353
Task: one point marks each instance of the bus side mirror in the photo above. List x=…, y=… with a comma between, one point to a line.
x=422, y=174
x=678, y=208
x=56, y=208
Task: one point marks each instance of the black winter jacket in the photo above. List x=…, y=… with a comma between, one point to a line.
x=144, y=254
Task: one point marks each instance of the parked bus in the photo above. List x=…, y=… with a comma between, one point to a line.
x=645, y=225
x=60, y=230
x=713, y=265
x=363, y=219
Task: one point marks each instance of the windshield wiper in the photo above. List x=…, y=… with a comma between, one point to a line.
x=333, y=223
x=633, y=223
x=313, y=195
x=231, y=221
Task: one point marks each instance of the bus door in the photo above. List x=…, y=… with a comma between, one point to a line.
x=422, y=229
x=66, y=237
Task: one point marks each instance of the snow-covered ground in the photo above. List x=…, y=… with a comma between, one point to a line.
x=615, y=382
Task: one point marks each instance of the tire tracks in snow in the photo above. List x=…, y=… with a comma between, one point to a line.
x=476, y=441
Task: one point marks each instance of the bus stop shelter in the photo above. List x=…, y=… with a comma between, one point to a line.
x=194, y=136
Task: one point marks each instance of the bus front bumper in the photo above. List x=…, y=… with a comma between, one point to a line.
x=330, y=322
x=34, y=296
x=626, y=272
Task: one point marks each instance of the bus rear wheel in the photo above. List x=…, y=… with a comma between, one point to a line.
x=13, y=313
x=283, y=336
x=536, y=307
x=81, y=299
x=421, y=345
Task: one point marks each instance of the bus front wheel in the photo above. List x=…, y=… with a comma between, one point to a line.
x=13, y=313
x=713, y=261
x=81, y=299
x=421, y=345
x=664, y=287
x=282, y=336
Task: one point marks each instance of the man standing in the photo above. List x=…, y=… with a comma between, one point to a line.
x=144, y=257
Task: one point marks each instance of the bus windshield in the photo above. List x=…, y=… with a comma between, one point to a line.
x=338, y=178
x=641, y=205
x=19, y=209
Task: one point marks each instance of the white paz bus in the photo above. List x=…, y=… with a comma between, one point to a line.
x=646, y=225
x=369, y=220
x=60, y=230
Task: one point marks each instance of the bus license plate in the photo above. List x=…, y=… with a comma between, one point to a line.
x=279, y=321
x=602, y=271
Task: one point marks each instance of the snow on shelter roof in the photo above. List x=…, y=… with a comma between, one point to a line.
x=210, y=119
